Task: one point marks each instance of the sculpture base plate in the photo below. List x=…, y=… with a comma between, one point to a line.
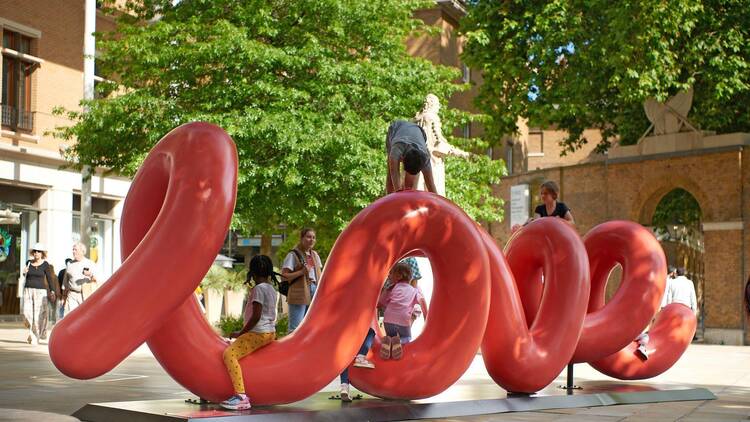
x=463, y=400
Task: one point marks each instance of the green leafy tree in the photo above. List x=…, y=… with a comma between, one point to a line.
x=580, y=64
x=306, y=88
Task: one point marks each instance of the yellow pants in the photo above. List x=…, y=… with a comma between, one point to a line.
x=243, y=346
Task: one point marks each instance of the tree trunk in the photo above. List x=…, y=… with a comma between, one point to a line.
x=265, y=244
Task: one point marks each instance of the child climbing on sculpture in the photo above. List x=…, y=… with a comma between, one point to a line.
x=398, y=303
x=406, y=143
x=259, y=329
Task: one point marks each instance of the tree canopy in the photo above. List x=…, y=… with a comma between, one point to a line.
x=306, y=88
x=577, y=64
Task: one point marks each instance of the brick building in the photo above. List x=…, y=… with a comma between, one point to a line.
x=42, y=68
x=630, y=181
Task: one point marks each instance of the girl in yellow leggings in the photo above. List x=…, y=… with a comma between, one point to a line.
x=259, y=329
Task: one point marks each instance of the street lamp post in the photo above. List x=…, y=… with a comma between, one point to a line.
x=89, y=52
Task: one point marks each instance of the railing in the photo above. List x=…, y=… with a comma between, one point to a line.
x=17, y=119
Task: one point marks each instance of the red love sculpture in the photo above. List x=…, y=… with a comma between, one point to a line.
x=175, y=219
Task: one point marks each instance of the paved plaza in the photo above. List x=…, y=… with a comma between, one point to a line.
x=30, y=382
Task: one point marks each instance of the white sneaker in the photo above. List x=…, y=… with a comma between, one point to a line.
x=641, y=350
x=345, y=393
x=361, y=362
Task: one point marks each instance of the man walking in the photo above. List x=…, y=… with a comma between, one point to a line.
x=77, y=274
x=681, y=290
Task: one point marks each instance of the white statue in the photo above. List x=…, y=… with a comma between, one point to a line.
x=670, y=117
x=429, y=120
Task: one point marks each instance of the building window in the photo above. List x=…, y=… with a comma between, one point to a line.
x=18, y=66
x=536, y=142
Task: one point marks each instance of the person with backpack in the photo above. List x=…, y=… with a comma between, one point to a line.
x=61, y=278
x=301, y=271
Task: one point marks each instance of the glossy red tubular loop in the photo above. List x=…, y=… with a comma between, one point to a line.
x=175, y=219
x=460, y=304
x=177, y=213
x=609, y=330
x=526, y=356
x=644, y=274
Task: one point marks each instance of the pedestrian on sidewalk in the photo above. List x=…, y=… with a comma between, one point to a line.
x=64, y=295
x=40, y=287
x=80, y=274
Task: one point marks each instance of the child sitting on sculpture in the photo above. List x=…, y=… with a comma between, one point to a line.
x=259, y=329
x=398, y=302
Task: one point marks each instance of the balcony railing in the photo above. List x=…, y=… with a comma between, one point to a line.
x=17, y=119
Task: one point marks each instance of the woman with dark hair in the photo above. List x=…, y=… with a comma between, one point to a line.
x=40, y=286
x=259, y=329
x=302, y=267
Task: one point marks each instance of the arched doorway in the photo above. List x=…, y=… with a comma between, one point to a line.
x=677, y=223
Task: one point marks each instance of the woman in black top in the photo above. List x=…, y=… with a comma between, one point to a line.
x=40, y=286
x=550, y=206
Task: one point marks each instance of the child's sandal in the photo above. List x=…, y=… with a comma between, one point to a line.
x=397, y=350
x=385, y=348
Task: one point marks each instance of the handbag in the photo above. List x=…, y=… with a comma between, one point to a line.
x=285, y=284
x=21, y=283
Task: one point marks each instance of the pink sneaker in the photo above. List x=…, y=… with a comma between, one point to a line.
x=236, y=402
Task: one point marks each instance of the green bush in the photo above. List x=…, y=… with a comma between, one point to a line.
x=282, y=325
x=229, y=324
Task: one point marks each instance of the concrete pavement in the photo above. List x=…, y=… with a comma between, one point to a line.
x=29, y=381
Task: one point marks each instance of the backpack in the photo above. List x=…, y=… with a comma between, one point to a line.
x=285, y=284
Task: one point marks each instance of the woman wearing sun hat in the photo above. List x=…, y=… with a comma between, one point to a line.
x=40, y=286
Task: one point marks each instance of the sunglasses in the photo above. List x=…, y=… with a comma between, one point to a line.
x=35, y=251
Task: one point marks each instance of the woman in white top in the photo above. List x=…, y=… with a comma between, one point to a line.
x=302, y=268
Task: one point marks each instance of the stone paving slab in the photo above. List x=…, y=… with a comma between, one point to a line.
x=29, y=381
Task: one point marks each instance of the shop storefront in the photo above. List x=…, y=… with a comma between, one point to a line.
x=19, y=228
x=50, y=214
